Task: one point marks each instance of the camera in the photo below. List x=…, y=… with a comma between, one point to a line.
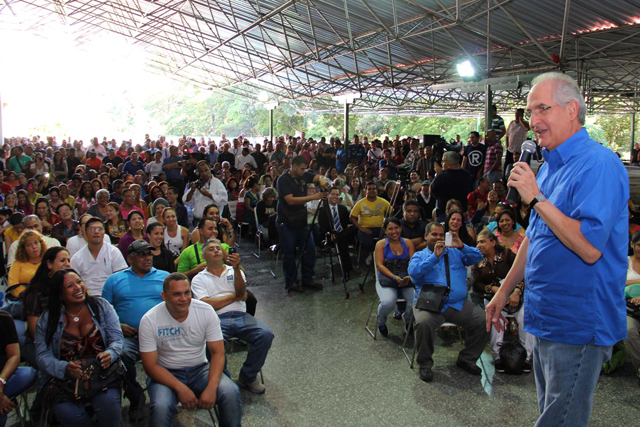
x=199, y=184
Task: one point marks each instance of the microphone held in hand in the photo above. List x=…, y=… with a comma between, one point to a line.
x=528, y=150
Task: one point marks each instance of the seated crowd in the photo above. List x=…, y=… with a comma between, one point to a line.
x=122, y=253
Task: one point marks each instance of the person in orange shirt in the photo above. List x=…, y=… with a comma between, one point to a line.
x=93, y=161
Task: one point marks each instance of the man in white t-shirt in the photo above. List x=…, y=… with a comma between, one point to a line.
x=223, y=286
x=75, y=243
x=97, y=260
x=172, y=337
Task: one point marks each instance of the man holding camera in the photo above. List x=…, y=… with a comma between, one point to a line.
x=427, y=267
x=204, y=191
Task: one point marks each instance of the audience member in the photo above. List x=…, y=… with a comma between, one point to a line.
x=224, y=288
x=135, y=231
x=98, y=260
x=204, y=191
x=493, y=160
x=77, y=325
x=132, y=293
x=334, y=223
x=452, y=183
x=426, y=267
x=173, y=337
x=496, y=262
x=368, y=216
x=30, y=249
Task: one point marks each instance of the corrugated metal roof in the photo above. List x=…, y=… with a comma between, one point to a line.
x=392, y=51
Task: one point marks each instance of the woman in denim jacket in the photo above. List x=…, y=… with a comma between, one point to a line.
x=77, y=325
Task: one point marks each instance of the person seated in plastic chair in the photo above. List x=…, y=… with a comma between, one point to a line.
x=392, y=257
x=173, y=336
x=225, y=289
x=427, y=267
x=487, y=276
x=14, y=380
x=368, y=215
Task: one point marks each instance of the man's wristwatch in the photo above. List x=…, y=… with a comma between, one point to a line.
x=539, y=198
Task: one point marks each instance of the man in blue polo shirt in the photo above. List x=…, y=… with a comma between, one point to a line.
x=574, y=258
x=133, y=292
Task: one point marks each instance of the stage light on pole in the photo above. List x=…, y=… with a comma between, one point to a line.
x=465, y=69
x=263, y=96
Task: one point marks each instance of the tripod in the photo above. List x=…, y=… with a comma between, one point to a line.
x=394, y=197
x=313, y=222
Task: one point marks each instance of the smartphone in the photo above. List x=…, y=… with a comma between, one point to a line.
x=232, y=251
x=448, y=239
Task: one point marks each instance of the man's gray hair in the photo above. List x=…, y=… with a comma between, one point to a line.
x=29, y=218
x=451, y=157
x=566, y=90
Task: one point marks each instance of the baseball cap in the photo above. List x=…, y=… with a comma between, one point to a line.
x=138, y=246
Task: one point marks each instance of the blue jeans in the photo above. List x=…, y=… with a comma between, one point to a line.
x=164, y=400
x=388, y=298
x=21, y=380
x=27, y=346
x=106, y=406
x=566, y=376
x=238, y=324
x=130, y=355
x=290, y=239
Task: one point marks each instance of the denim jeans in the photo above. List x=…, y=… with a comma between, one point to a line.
x=238, y=324
x=493, y=177
x=27, y=346
x=388, y=298
x=130, y=355
x=106, y=406
x=290, y=239
x=164, y=400
x=21, y=380
x=566, y=376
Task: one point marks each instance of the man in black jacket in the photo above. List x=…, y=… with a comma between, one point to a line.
x=334, y=218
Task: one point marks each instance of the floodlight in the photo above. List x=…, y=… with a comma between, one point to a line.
x=263, y=96
x=465, y=69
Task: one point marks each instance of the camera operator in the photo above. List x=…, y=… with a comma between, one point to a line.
x=204, y=191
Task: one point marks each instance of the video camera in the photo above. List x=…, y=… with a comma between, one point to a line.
x=439, y=144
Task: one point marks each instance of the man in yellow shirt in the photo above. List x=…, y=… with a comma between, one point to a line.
x=368, y=215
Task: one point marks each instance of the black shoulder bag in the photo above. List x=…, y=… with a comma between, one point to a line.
x=433, y=297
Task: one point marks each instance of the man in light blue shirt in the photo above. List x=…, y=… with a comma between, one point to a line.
x=133, y=292
x=574, y=259
x=428, y=267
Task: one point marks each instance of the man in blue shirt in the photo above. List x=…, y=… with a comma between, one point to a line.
x=133, y=292
x=574, y=257
x=428, y=267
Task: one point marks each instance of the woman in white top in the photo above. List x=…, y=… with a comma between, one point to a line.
x=176, y=237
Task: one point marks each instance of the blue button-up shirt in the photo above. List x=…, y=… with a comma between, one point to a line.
x=566, y=299
x=425, y=268
x=172, y=174
x=133, y=296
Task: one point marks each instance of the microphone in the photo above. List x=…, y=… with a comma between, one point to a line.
x=528, y=150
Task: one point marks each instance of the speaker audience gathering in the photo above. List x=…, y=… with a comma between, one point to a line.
x=123, y=252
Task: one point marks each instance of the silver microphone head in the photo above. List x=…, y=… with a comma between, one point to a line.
x=528, y=146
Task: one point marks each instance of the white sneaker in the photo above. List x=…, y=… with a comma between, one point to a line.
x=254, y=387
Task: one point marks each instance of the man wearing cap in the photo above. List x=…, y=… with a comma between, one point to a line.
x=133, y=292
x=224, y=287
x=96, y=261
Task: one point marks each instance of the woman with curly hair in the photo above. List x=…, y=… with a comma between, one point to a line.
x=86, y=198
x=31, y=248
x=115, y=226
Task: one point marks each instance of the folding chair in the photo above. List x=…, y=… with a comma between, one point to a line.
x=412, y=322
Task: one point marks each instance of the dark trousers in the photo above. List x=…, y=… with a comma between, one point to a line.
x=509, y=159
x=472, y=318
x=368, y=240
x=342, y=241
x=292, y=239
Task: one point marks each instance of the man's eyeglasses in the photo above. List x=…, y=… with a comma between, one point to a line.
x=145, y=255
x=540, y=111
x=95, y=229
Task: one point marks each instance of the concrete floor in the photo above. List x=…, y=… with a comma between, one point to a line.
x=324, y=369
